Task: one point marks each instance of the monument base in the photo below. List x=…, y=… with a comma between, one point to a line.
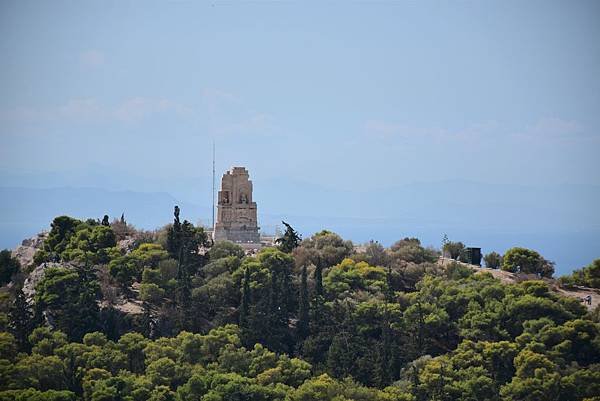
x=237, y=235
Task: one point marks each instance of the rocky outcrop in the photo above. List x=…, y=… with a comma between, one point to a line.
x=25, y=252
x=35, y=277
x=126, y=245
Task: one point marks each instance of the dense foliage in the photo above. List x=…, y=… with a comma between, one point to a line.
x=493, y=260
x=588, y=276
x=523, y=260
x=8, y=266
x=319, y=321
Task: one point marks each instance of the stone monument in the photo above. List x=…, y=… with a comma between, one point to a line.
x=236, y=212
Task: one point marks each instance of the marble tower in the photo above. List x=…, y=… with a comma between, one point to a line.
x=236, y=212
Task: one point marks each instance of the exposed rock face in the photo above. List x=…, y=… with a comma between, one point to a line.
x=25, y=252
x=126, y=245
x=35, y=277
x=129, y=306
x=236, y=212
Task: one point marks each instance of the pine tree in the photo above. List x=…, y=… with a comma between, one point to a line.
x=67, y=297
x=86, y=305
x=21, y=320
x=290, y=239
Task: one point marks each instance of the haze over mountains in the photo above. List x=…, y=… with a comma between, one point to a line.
x=377, y=121
x=559, y=221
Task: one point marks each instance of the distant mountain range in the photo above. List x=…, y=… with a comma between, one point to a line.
x=561, y=222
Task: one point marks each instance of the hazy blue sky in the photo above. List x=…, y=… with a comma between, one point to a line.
x=341, y=95
x=386, y=92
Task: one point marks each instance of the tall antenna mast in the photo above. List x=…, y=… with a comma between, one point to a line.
x=213, y=188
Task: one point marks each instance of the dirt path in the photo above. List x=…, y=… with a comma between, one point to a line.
x=580, y=293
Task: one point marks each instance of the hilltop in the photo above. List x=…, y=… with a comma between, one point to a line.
x=577, y=292
x=96, y=307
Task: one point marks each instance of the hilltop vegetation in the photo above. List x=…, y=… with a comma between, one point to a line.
x=121, y=314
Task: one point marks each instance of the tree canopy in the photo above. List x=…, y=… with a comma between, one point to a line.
x=525, y=260
x=169, y=315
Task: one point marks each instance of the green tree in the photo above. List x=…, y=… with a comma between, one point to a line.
x=316, y=345
x=453, y=249
x=245, y=303
x=290, y=239
x=280, y=302
x=174, y=236
x=132, y=345
x=45, y=341
x=525, y=260
x=183, y=244
x=68, y=296
x=303, y=307
x=410, y=250
x=536, y=379
x=375, y=255
x=124, y=270
x=21, y=319
x=588, y=276
x=90, y=244
x=348, y=277
x=591, y=274
x=31, y=394
x=152, y=293
x=326, y=248
x=62, y=228
x=224, y=249
x=8, y=266
x=493, y=260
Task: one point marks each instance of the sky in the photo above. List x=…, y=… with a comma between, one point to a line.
x=340, y=95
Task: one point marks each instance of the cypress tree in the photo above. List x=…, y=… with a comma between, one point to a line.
x=245, y=304
x=303, y=312
x=318, y=300
x=86, y=308
x=21, y=320
x=274, y=335
x=174, y=236
x=318, y=280
x=177, y=248
x=146, y=321
x=386, y=351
